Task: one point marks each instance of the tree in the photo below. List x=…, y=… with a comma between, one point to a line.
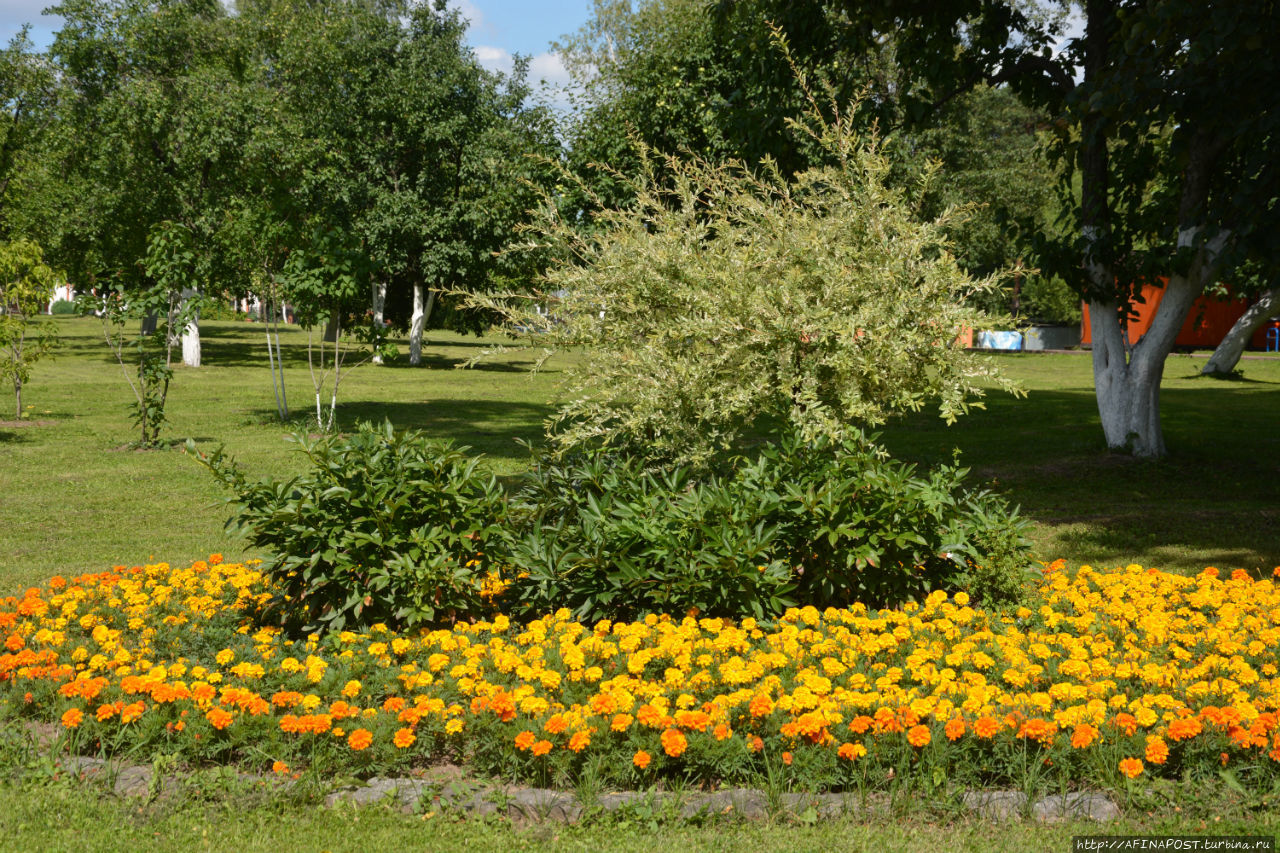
x=413, y=148
x=1227, y=354
x=28, y=90
x=726, y=299
x=1177, y=164
x=25, y=285
x=157, y=113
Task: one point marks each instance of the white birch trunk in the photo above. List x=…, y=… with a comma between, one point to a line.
x=1127, y=375
x=190, y=332
x=379, y=299
x=421, y=313
x=1227, y=355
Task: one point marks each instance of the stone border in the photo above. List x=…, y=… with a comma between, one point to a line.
x=481, y=799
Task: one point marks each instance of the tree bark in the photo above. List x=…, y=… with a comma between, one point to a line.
x=191, y=336
x=379, y=299
x=421, y=314
x=331, y=328
x=1227, y=355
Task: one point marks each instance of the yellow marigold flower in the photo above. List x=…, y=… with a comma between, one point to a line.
x=453, y=727
x=351, y=689
x=224, y=657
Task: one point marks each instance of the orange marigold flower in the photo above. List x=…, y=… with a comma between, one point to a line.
x=1239, y=575
x=1127, y=723
x=580, y=741
x=404, y=738
x=760, y=706
x=360, y=739
x=393, y=704
x=757, y=743
x=542, y=747
x=620, y=722
x=859, y=724
x=1185, y=728
x=131, y=712
x=1223, y=758
x=214, y=559
x=279, y=767
x=919, y=736
x=954, y=728
x=72, y=718
x=641, y=759
x=1157, y=750
x=526, y=740
x=786, y=758
x=1210, y=572
x=674, y=742
x=722, y=732
x=555, y=725
x=1083, y=736
x=106, y=712
x=1131, y=767
x=218, y=718
x=986, y=727
x=851, y=751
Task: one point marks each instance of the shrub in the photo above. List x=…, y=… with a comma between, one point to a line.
x=821, y=523
x=383, y=526
x=608, y=539
x=63, y=307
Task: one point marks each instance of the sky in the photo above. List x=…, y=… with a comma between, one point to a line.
x=498, y=30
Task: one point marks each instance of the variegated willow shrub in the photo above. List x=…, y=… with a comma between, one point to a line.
x=391, y=527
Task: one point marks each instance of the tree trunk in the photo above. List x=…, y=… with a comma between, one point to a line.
x=331, y=328
x=17, y=394
x=1227, y=355
x=421, y=314
x=191, y=336
x=379, y=305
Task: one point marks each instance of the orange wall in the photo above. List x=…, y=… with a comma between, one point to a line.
x=1205, y=327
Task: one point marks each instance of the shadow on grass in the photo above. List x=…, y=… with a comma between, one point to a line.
x=1215, y=497
x=491, y=427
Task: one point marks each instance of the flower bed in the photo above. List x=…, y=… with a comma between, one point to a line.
x=1118, y=674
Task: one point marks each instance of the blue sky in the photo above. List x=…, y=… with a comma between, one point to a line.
x=499, y=29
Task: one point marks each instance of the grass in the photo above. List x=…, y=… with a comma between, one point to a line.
x=68, y=816
x=77, y=499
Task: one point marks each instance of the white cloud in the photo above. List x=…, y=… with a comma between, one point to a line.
x=549, y=67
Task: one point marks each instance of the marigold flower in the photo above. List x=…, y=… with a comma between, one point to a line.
x=360, y=739
x=1083, y=736
x=555, y=725
x=279, y=767
x=986, y=727
x=954, y=729
x=722, y=732
x=641, y=759
x=1157, y=750
x=760, y=705
x=786, y=758
x=1185, y=728
x=105, y=712
x=851, y=751
x=919, y=736
x=404, y=738
x=218, y=718
x=674, y=742
x=1131, y=767
x=525, y=740
x=72, y=718
x=580, y=741
x=542, y=747
x=620, y=722
x=757, y=743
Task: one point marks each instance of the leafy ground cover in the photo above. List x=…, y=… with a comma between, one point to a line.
x=75, y=501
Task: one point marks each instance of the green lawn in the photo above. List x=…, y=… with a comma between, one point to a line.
x=76, y=499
